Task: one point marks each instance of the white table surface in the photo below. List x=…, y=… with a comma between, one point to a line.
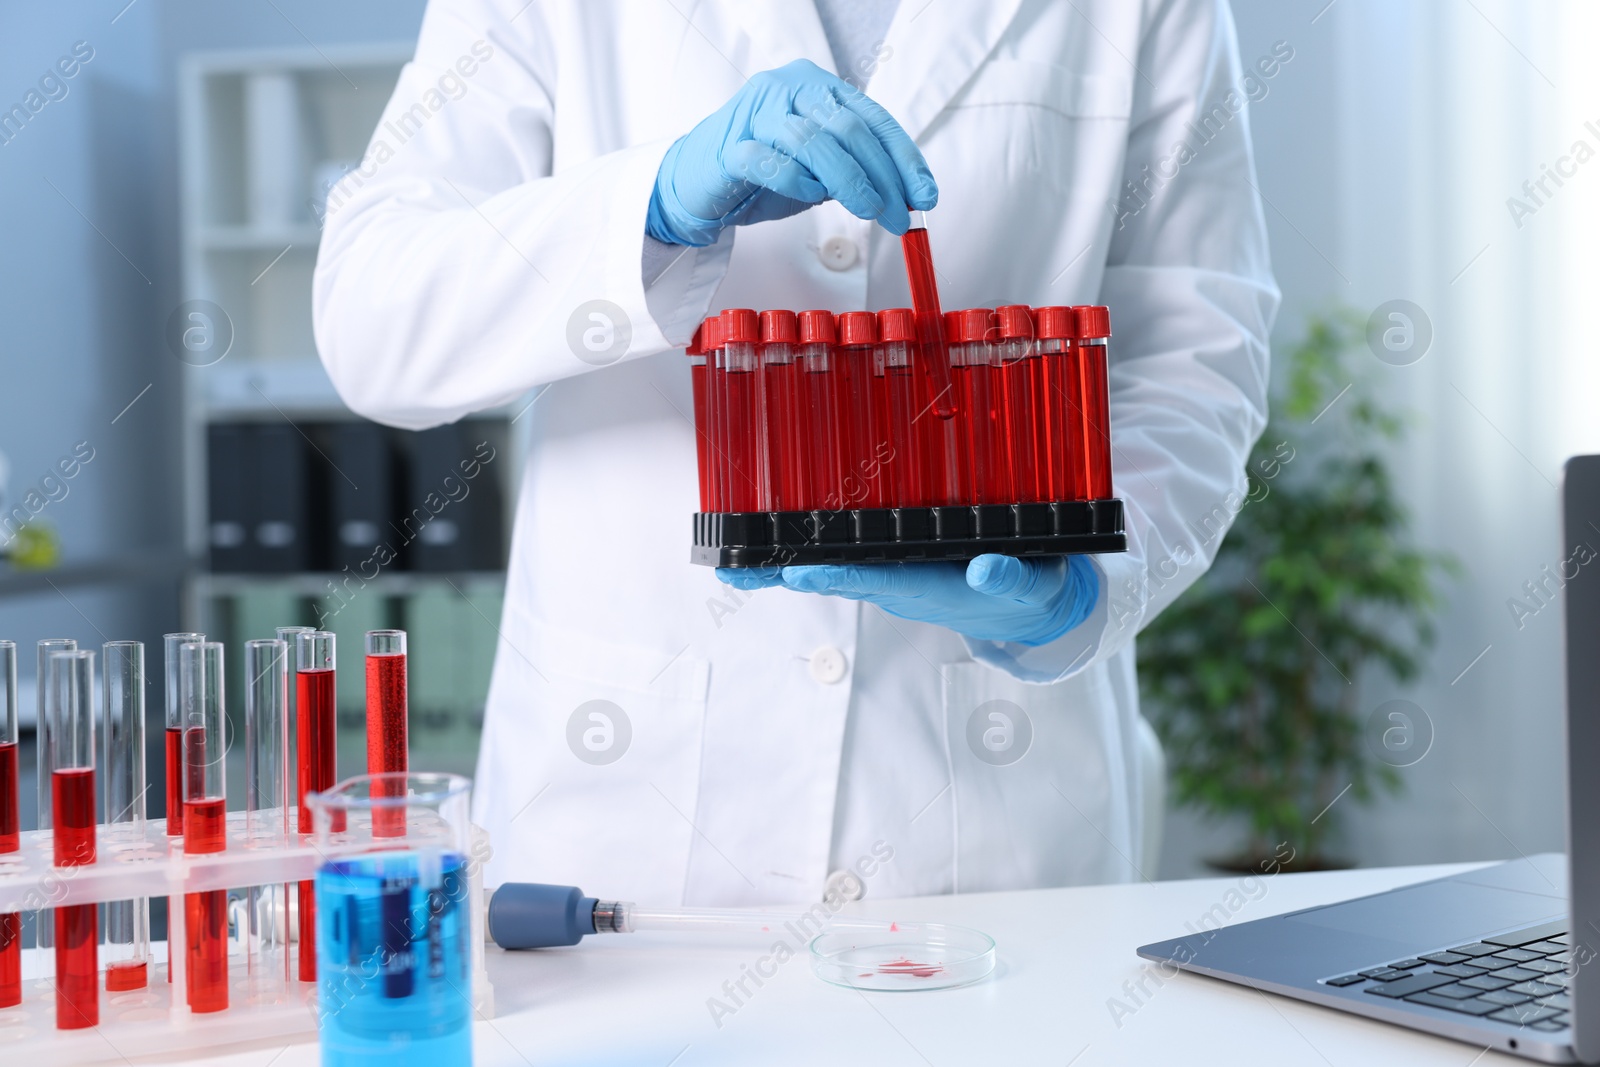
x=640, y=999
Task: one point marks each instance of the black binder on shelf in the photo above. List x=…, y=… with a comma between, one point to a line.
x=361, y=496
x=281, y=489
x=450, y=522
x=228, y=517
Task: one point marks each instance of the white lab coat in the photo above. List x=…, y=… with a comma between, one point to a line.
x=779, y=737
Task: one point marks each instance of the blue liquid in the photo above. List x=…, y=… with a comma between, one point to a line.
x=393, y=982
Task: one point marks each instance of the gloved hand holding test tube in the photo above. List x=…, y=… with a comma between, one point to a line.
x=849, y=950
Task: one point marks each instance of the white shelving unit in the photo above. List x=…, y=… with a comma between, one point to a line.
x=260, y=130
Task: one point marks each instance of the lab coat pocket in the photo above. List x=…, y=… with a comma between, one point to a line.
x=1040, y=789
x=588, y=746
x=1027, y=123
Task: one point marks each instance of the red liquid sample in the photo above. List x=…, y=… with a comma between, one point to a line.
x=1047, y=457
x=205, y=915
x=781, y=405
x=911, y=483
x=315, y=710
x=702, y=432
x=930, y=320
x=1061, y=378
x=205, y=923
x=868, y=446
x=386, y=735
x=911, y=968
x=126, y=975
x=976, y=423
x=10, y=959
x=77, y=963
x=1095, y=401
x=1021, y=448
x=174, y=781
x=72, y=807
x=739, y=422
x=820, y=431
x=10, y=841
x=10, y=819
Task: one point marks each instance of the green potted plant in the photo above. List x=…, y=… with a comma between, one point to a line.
x=1253, y=677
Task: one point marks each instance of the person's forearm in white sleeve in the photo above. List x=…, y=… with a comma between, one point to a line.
x=452, y=260
x=1192, y=297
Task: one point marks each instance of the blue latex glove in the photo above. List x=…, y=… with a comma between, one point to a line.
x=790, y=138
x=991, y=598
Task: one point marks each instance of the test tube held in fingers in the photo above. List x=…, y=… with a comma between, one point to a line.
x=266, y=797
x=10, y=823
x=315, y=759
x=930, y=318
x=386, y=721
x=122, y=680
x=205, y=914
x=69, y=738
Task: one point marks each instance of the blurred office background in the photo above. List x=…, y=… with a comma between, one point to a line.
x=1387, y=147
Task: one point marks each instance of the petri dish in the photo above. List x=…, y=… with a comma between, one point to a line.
x=906, y=957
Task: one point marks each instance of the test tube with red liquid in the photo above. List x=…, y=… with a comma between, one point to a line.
x=1018, y=375
x=205, y=814
x=122, y=681
x=819, y=424
x=266, y=797
x=171, y=643
x=712, y=431
x=205, y=821
x=983, y=428
x=316, y=761
x=780, y=407
x=930, y=319
x=865, y=446
x=908, y=481
x=697, y=384
x=69, y=741
x=290, y=770
x=1092, y=351
x=1055, y=327
x=746, y=436
x=386, y=723
x=10, y=823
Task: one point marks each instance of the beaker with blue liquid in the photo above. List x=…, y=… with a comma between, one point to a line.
x=394, y=921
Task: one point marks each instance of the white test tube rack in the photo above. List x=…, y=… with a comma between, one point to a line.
x=139, y=860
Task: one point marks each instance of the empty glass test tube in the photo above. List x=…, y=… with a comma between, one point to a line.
x=69, y=739
x=266, y=795
x=10, y=824
x=44, y=926
x=205, y=914
x=123, y=769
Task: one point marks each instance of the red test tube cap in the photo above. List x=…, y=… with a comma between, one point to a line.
x=897, y=324
x=1094, y=320
x=858, y=328
x=740, y=326
x=696, y=345
x=1055, y=322
x=1015, y=321
x=816, y=327
x=711, y=334
x=779, y=327
x=971, y=325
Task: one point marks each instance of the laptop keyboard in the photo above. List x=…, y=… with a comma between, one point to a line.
x=1518, y=978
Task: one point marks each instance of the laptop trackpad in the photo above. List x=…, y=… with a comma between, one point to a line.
x=1434, y=913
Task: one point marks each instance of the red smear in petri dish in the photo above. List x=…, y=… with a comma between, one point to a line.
x=907, y=967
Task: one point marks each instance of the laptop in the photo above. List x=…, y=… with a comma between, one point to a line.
x=1500, y=956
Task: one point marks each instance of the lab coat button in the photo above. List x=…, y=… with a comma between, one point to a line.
x=827, y=665
x=838, y=253
x=845, y=885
